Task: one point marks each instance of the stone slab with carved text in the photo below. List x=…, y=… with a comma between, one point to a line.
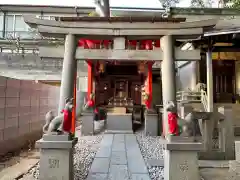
x=56, y=159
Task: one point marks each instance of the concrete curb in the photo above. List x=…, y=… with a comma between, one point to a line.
x=19, y=169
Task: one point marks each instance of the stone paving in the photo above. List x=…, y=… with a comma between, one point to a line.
x=119, y=158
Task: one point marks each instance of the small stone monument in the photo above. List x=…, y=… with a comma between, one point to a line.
x=234, y=166
x=87, y=127
x=151, y=122
x=56, y=146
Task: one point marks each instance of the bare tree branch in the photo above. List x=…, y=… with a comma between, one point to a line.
x=169, y=3
x=197, y=3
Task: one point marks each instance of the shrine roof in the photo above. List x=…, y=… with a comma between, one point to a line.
x=122, y=19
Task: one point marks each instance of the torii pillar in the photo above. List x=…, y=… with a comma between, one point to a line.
x=180, y=158
x=168, y=77
x=69, y=70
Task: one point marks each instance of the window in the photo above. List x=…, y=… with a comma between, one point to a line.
x=21, y=28
x=46, y=17
x=1, y=25
x=20, y=25
x=16, y=27
x=9, y=27
x=43, y=17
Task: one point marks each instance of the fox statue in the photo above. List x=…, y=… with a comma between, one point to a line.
x=61, y=123
x=188, y=125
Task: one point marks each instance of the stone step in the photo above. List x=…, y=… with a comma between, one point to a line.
x=118, y=132
x=202, y=163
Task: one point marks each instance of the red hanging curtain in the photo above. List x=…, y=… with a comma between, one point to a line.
x=132, y=43
x=150, y=81
x=81, y=42
x=106, y=43
x=90, y=79
x=90, y=43
x=148, y=44
x=74, y=107
x=157, y=43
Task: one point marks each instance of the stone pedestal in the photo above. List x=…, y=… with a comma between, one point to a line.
x=181, y=160
x=234, y=166
x=119, y=122
x=226, y=133
x=225, y=136
x=87, y=127
x=151, y=123
x=98, y=126
x=56, y=157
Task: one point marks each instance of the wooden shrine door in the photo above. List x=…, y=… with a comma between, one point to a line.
x=223, y=81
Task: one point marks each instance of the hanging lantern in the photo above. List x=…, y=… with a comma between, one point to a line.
x=101, y=67
x=141, y=68
x=116, y=63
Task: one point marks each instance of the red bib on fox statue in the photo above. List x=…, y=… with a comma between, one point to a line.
x=173, y=124
x=67, y=121
x=173, y=128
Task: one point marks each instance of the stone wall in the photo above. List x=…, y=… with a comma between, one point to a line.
x=186, y=77
x=23, y=105
x=157, y=92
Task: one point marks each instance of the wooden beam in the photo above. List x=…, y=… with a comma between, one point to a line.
x=226, y=49
x=110, y=54
x=89, y=32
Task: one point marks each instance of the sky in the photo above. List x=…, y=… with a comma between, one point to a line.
x=119, y=3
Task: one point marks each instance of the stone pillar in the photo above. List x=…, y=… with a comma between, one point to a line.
x=237, y=70
x=78, y=84
x=106, y=6
x=119, y=43
x=194, y=77
x=208, y=126
x=226, y=132
x=209, y=81
x=68, y=71
x=168, y=75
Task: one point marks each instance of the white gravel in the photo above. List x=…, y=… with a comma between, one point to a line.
x=151, y=148
x=84, y=153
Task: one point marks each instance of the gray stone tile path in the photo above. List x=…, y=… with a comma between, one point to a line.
x=119, y=158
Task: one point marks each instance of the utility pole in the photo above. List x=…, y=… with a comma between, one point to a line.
x=102, y=7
